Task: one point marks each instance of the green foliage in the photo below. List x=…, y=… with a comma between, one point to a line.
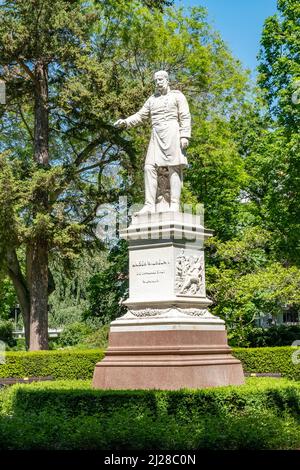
x=217, y=175
x=246, y=283
x=69, y=301
x=100, y=58
x=272, y=164
x=80, y=364
x=281, y=335
x=60, y=364
x=73, y=334
x=278, y=160
x=264, y=414
x=273, y=360
x=279, y=62
x=97, y=339
x=6, y=332
x=8, y=298
x=90, y=84
x=10, y=194
x=107, y=288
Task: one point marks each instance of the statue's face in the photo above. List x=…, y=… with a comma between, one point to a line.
x=161, y=82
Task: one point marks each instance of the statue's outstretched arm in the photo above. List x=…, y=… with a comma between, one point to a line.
x=135, y=119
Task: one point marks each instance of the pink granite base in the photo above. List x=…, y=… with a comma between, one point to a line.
x=167, y=360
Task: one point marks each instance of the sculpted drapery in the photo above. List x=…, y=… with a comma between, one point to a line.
x=171, y=129
x=171, y=120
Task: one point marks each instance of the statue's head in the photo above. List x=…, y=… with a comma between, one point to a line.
x=161, y=79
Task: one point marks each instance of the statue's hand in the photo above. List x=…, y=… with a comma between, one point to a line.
x=120, y=124
x=184, y=142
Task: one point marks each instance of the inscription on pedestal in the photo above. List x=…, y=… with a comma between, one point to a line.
x=150, y=271
x=150, y=275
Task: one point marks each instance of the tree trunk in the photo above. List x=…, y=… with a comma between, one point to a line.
x=20, y=285
x=41, y=123
x=37, y=267
x=37, y=250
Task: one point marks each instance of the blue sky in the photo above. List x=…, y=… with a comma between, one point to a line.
x=240, y=23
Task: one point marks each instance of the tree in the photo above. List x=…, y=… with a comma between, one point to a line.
x=7, y=298
x=71, y=68
x=62, y=91
x=279, y=78
x=246, y=282
x=108, y=288
x=279, y=63
x=69, y=301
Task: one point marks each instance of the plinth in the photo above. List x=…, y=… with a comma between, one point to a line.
x=168, y=339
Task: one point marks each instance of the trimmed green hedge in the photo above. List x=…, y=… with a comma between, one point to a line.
x=60, y=364
x=273, y=359
x=264, y=414
x=80, y=364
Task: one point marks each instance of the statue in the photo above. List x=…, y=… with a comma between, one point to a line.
x=171, y=130
x=168, y=339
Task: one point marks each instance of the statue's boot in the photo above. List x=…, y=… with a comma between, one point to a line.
x=174, y=207
x=146, y=209
x=150, y=190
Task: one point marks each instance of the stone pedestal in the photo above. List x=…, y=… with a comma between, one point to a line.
x=168, y=339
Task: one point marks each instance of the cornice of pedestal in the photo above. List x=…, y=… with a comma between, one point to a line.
x=173, y=318
x=176, y=302
x=166, y=226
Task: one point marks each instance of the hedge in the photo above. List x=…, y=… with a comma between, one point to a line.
x=263, y=414
x=60, y=364
x=79, y=364
x=272, y=359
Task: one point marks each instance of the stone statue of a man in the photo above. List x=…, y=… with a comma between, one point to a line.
x=171, y=130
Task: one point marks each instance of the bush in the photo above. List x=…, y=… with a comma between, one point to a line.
x=280, y=335
x=264, y=414
x=60, y=364
x=277, y=359
x=6, y=332
x=97, y=339
x=80, y=364
x=19, y=345
x=74, y=334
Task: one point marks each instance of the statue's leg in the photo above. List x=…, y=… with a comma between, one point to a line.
x=176, y=180
x=150, y=189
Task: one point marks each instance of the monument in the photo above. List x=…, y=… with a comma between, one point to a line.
x=168, y=339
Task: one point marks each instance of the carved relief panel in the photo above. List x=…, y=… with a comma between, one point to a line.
x=189, y=275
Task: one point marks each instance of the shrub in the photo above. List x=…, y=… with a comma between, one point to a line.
x=60, y=364
x=19, y=345
x=98, y=339
x=264, y=414
x=277, y=335
x=277, y=359
x=6, y=332
x=74, y=334
x=80, y=363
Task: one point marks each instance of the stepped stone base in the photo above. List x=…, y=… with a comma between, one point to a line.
x=168, y=355
x=168, y=339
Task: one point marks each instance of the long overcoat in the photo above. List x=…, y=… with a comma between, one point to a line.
x=171, y=120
